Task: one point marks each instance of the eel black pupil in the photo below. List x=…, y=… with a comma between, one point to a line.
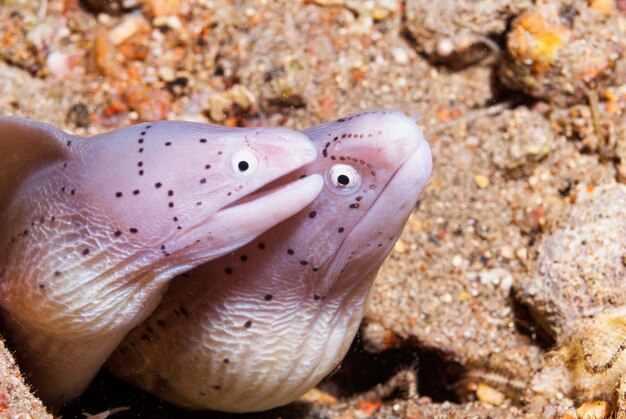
x=243, y=166
x=343, y=180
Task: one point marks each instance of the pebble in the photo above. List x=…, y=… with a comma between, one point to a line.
x=401, y=247
x=488, y=394
x=128, y=27
x=598, y=409
x=481, y=181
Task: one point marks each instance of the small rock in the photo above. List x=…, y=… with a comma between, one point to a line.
x=481, y=181
x=401, y=247
x=128, y=27
x=598, y=409
x=488, y=394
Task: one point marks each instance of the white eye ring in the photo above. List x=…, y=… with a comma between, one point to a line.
x=244, y=163
x=344, y=179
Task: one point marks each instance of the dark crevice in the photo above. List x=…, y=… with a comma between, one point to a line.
x=526, y=324
x=362, y=371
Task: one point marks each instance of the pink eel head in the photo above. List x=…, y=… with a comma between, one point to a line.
x=92, y=229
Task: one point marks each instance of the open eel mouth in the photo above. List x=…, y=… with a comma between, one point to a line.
x=241, y=221
x=298, y=193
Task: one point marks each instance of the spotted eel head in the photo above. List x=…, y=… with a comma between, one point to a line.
x=164, y=184
x=92, y=229
x=374, y=164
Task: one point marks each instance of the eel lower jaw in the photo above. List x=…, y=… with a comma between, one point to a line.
x=242, y=221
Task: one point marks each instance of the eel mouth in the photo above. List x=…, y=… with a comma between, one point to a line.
x=290, y=193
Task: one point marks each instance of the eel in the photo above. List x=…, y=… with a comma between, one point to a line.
x=259, y=327
x=93, y=229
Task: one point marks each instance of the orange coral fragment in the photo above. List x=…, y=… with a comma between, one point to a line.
x=368, y=407
x=535, y=39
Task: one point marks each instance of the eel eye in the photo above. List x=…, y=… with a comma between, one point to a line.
x=244, y=163
x=345, y=179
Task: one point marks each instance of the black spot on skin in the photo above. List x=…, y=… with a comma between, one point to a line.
x=141, y=173
x=57, y=273
x=312, y=214
x=69, y=143
x=243, y=258
x=41, y=286
x=63, y=189
x=64, y=165
x=161, y=322
x=170, y=193
x=261, y=246
x=85, y=252
x=136, y=192
x=228, y=271
x=226, y=360
x=171, y=205
x=133, y=230
x=354, y=206
x=203, y=180
x=140, y=141
x=217, y=387
x=304, y=262
x=208, y=166
x=184, y=311
x=333, y=158
x=358, y=198
x=117, y=233
x=268, y=297
x=175, y=219
x=167, y=144
x=247, y=324
x=341, y=229
x=325, y=153
x=140, y=164
x=290, y=251
x=316, y=297
x=203, y=140
x=315, y=269
x=335, y=139
x=162, y=247
x=158, y=185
